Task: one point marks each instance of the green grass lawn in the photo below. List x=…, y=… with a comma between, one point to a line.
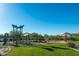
x=55, y=49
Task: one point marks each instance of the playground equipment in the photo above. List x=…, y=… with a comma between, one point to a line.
x=17, y=34
x=5, y=39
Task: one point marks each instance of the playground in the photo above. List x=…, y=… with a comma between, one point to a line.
x=19, y=44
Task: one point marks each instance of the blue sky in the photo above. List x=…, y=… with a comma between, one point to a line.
x=50, y=18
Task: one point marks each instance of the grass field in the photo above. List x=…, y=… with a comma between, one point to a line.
x=55, y=49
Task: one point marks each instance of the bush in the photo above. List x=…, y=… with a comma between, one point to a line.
x=71, y=44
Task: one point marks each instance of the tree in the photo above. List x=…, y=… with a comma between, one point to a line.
x=35, y=37
x=46, y=37
x=11, y=34
x=76, y=37
x=40, y=38
x=1, y=37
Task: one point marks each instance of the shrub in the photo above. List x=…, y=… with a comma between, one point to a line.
x=71, y=44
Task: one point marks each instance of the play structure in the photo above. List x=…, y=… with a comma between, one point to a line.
x=5, y=39
x=17, y=34
x=19, y=38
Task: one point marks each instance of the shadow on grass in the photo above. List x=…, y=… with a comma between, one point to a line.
x=50, y=49
x=59, y=47
x=46, y=48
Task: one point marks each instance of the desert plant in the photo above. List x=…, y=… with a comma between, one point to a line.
x=71, y=44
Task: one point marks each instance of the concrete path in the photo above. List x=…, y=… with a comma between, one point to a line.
x=4, y=51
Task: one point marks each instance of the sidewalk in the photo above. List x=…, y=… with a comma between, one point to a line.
x=4, y=51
